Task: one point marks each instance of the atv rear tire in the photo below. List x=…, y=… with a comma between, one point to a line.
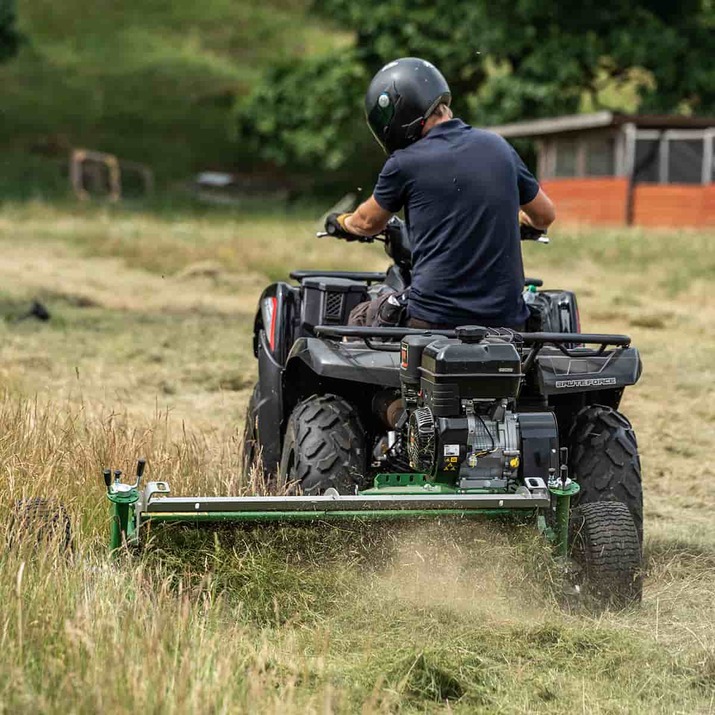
x=324, y=446
x=604, y=461
x=251, y=448
x=41, y=521
x=607, y=551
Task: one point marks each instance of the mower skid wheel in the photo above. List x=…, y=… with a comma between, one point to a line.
x=606, y=550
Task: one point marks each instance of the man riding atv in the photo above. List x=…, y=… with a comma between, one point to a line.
x=461, y=189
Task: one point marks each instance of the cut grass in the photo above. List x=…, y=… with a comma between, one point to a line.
x=148, y=353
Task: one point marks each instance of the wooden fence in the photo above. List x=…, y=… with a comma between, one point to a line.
x=606, y=201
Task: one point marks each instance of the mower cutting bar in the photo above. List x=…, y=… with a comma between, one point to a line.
x=342, y=503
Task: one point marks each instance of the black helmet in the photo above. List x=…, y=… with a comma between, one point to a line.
x=400, y=98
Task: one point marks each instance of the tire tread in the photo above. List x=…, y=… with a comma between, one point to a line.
x=605, y=462
x=329, y=445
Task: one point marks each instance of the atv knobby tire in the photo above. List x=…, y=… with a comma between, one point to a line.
x=607, y=552
x=251, y=448
x=604, y=461
x=324, y=446
x=41, y=522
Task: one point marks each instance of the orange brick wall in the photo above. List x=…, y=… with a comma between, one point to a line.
x=674, y=205
x=589, y=200
x=603, y=201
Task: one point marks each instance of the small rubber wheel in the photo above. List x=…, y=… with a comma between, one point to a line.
x=42, y=521
x=324, y=447
x=604, y=461
x=606, y=551
x=251, y=447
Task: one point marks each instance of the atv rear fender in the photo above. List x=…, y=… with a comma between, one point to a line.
x=345, y=361
x=274, y=316
x=560, y=374
x=272, y=338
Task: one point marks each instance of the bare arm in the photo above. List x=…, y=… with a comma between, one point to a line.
x=539, y=212
x=368, y=219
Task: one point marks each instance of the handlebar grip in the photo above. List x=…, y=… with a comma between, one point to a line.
x=529, y=233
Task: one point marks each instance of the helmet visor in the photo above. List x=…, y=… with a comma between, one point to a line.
x=379, y=119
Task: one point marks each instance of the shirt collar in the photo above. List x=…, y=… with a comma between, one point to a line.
x=443, y=127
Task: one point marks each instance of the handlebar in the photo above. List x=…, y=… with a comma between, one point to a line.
x=527, y=233
x=354, y=237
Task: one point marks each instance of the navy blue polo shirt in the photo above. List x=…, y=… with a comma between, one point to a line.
x=461, y=189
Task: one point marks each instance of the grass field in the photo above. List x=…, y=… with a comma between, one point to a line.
x=147, y=353
x=148, y=80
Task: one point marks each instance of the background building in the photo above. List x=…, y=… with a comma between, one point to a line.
x=651, y=170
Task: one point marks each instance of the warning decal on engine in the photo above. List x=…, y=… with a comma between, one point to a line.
x=451, y=450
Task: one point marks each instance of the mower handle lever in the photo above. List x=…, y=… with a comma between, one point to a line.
x=116, y=484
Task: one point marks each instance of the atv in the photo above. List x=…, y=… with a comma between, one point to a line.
x=359, y=422
x=405, y=421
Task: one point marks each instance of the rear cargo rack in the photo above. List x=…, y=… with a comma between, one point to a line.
x=535, y=341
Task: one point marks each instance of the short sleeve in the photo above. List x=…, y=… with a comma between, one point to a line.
x=528, y=185
x=390, y=188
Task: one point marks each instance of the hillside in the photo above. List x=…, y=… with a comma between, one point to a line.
x=150, y=80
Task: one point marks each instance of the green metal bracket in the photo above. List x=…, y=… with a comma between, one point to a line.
x=123, y=527
x=563, y=506
x=408, y=484
x=401, y=479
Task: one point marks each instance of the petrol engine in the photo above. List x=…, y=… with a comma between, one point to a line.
x=460, y=395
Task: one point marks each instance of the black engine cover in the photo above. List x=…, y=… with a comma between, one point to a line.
x=453, y=370
x=539, y=444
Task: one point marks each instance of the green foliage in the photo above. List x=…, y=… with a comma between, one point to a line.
x=149, y=80
x=281, y=115
x=504, y=61
x=9, y=38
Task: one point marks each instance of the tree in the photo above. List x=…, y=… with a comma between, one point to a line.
x=504, y=61
x=9, y=38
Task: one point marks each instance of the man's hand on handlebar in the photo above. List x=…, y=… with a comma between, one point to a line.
x=335, y=226
x=529, y=232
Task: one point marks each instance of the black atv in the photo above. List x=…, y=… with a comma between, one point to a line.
x=341, y=410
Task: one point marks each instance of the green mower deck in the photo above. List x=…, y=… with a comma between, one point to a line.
x=394, y=496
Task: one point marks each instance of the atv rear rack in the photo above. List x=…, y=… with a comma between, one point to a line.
x=565, y=342
x=350, y=331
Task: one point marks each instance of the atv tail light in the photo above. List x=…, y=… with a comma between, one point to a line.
x=269, y=308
